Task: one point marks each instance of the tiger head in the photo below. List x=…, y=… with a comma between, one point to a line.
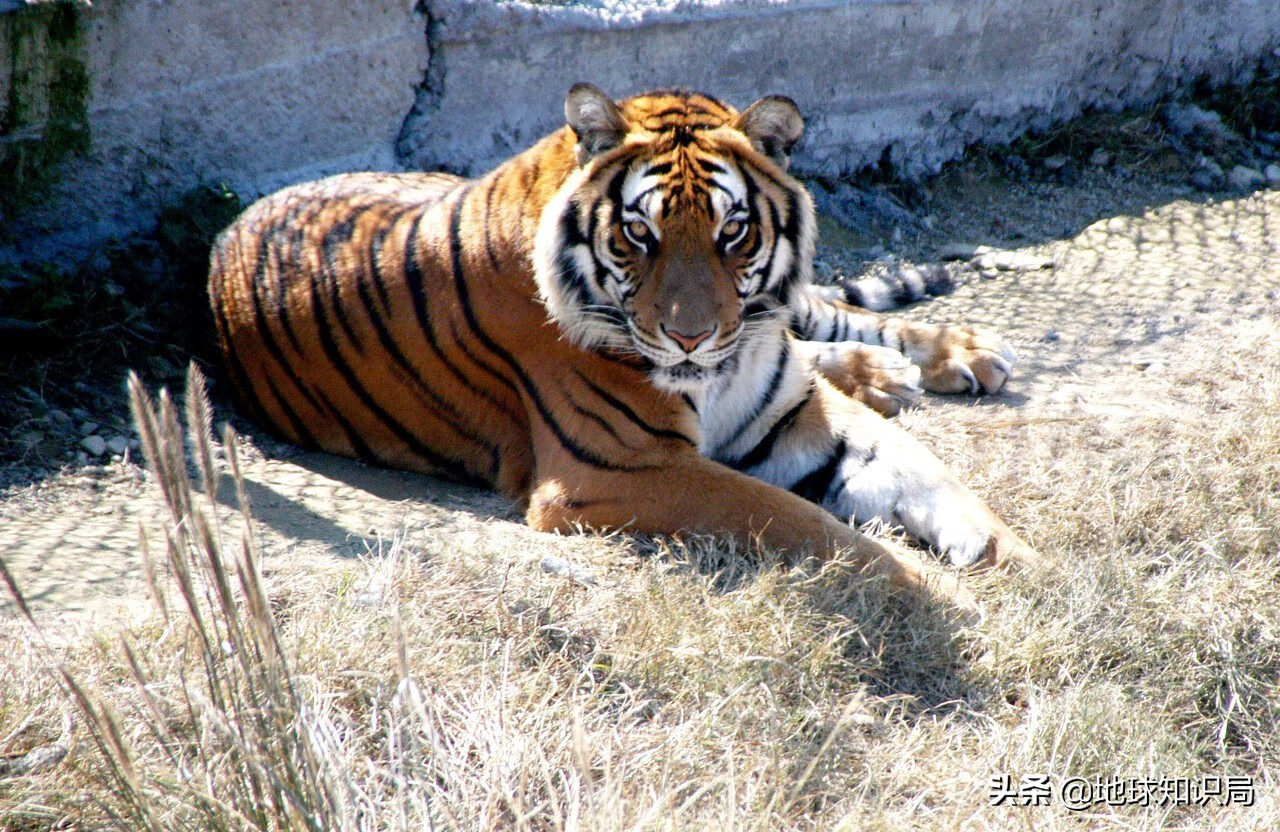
x=679, y=235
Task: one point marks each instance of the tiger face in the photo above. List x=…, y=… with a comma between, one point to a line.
x=680, y=236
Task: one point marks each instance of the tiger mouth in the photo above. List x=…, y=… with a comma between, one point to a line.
x=687, y=371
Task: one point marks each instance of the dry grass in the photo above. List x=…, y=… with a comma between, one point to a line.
x=693, y=686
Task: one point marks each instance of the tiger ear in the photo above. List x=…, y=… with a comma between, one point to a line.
x=774, y=125
x=595, y=120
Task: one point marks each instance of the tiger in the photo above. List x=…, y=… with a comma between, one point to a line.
x=619, y=329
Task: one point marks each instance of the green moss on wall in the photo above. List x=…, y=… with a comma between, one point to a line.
x=43, y=113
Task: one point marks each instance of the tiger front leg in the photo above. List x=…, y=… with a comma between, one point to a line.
x=843, y=456
x=884, y=380
x=690, y=493
x=952, y=359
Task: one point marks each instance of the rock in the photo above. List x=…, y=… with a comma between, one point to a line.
x=1184, y=119
x=1203, y=180
x=1210, y=167
x=82, y=458
x=1017, y=261
x=962, y=251
x=1272, y=139
x=59, y=418
x=30, y=438
x=1100, y=158
x=1272, y=172
x=117, y=445
x=94, y=444
x=1056, y=162
x=1011, y=261
x=1050, y=336
x=88, y=428
x=1243, y=178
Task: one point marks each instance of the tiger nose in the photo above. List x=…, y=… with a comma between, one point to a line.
x=688, y=342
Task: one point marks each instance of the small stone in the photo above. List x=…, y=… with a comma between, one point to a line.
x=1272, y=172
x=1211, y=167
x=94, y=444
x=30, y=438
x=1203, y=180
x=1183, y=119
x=1056, y=162
x=1100, y=158
x=1272, y=139
x=1051, y=336
x=961, y=251
x=82, y=458
x=985, y=262
x=88, y=428
x=117, y=445
x=59, y=417
x=1017, y=261
x=989, y=274
x=1245, y=178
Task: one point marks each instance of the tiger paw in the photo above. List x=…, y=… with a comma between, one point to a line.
x=883, y=379
x=968, y=360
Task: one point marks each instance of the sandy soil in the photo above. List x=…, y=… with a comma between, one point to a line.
x=1147, y=275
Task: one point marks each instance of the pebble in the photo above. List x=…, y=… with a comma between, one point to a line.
x=1184, y=119
x=1050, y=336
x=88, y=428
x=1245, y=178
x=1056, y=162
x=117, y=445
x=962, y=251
x=1012, y=261
x=1272, y=172
x=94, y=444
x=1100, y=158
x=1203, y=180
x=59, y=417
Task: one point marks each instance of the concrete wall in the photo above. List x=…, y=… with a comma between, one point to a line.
x=919, y=80
x=259, y=93
x=256, y=93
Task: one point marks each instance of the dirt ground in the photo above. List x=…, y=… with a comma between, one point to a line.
x=1147, y=274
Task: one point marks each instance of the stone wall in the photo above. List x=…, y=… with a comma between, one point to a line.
x=258, y=94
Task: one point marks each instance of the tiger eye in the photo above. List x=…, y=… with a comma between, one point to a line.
x=637, y=230
x=731, y=229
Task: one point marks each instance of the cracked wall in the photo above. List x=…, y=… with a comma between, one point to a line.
x=257, y=95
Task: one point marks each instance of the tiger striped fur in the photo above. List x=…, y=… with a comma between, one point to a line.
x=615, y=327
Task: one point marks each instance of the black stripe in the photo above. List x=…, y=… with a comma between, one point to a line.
x=488, y=225
x=358, y=444
x=416, y=283
x=814, y=485
x=765, y=400
x=415, y=378
x=300, y=429
x=578, y=452
x=631, y=415
x=760, y=453
x=375, y=247
x=331, y=243
x=599, y=420
x=452, y=467
x=263, y=288
x=274, y=349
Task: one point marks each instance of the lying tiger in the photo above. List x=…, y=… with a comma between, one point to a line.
x=616, y=328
